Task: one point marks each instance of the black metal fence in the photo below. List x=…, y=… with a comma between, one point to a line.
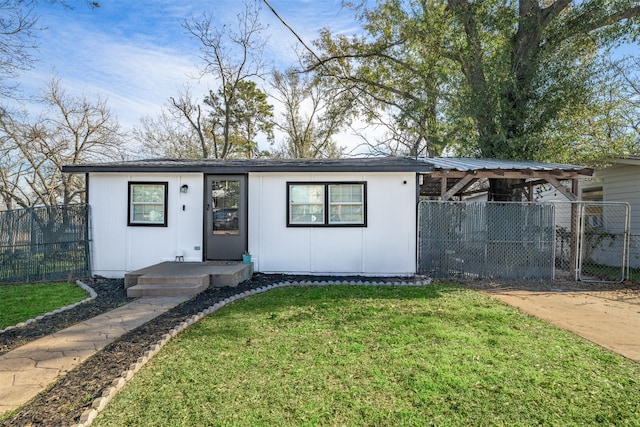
x=44, y=243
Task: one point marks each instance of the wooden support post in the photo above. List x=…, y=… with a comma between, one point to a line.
x=467, y=180
x=571, y=195
x=443, y=188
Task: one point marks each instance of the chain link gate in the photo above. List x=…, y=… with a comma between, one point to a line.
x=523, y=241
x=604, y=242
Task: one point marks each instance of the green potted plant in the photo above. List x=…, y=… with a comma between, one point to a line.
x=246, y=258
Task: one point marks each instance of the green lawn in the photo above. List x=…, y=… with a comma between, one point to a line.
x=23, y=302
x=377, y=356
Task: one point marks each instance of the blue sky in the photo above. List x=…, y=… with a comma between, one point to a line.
x=135, y=53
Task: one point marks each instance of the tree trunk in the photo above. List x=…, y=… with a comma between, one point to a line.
x=502, y=190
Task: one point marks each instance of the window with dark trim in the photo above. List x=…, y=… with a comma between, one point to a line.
x=147, y=204
x=593, y=211
x=592, y=194
x=326, y=204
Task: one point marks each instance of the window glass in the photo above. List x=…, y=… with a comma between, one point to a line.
x=326, y=204
x=225, y=195
x=592, y=194
x=306, y=204
x=147, y=203
x=593, y=212
x=346, y=203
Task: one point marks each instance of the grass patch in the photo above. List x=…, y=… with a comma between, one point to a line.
x=384, y=356
x=609, y=273
x=23, y=302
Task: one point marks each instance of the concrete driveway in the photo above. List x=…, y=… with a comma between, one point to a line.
x=610, y=318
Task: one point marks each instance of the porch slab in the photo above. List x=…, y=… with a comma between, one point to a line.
x=192, y=277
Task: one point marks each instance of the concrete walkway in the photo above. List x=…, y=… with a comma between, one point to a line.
x=610, y=319
x=29, y=369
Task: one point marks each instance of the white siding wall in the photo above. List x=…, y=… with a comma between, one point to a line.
x=387, y=246
x=118, y=248
x=621, y=183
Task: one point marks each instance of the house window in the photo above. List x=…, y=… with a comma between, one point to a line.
x=592, y=194
x=593, y=210
x=330, y=204
x=346, y=204
x=148, y=204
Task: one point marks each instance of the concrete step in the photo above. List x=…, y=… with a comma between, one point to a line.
x=164, y=291
x=173, y=279
x=175, y=275
x=165, y=286
x=232, y=276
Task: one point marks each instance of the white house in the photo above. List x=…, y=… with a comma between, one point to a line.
x=343, y=216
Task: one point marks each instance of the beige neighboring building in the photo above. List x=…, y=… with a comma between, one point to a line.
x=619, y=182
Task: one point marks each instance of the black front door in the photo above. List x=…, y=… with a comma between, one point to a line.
x=226, y=217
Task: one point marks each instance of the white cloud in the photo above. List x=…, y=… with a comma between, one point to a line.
x=135, y=76
x=136, y=54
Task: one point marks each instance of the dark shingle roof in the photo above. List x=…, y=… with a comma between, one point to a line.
x=362, y=164
x=369, y=164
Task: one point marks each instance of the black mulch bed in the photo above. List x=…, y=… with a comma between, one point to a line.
x=63, y=403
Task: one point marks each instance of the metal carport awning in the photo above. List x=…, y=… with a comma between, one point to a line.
x=461, y=177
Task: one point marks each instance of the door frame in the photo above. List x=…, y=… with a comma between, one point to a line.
x=243, y=213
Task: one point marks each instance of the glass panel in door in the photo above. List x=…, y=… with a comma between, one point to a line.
x=225, y=196
x=226, y=217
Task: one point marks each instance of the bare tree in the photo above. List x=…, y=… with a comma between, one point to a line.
x=18, y=39
x=186, y=129
x=231, y=56
x=71, y=130
x=163, y=136
x=629, y=69
x=181, y=130
x=313, y=114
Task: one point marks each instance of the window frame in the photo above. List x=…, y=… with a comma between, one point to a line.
x=326, y=205
x=165, y=194
x=594, y=214
x=592, y=194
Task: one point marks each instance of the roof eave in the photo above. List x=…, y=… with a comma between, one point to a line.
x=243, y=170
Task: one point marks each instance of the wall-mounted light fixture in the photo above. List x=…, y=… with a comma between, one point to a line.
x=184, y=188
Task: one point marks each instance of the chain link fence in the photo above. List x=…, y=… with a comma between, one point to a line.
x=524, y=241
x=44, y=243
x=634, y=254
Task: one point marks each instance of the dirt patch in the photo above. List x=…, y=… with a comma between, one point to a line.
x=605, y=314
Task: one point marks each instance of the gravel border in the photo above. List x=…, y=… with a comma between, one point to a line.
x=101, y=403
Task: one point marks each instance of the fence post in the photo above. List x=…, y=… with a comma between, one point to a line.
x=575, y=227
x=87, y=238
x=574, y=241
